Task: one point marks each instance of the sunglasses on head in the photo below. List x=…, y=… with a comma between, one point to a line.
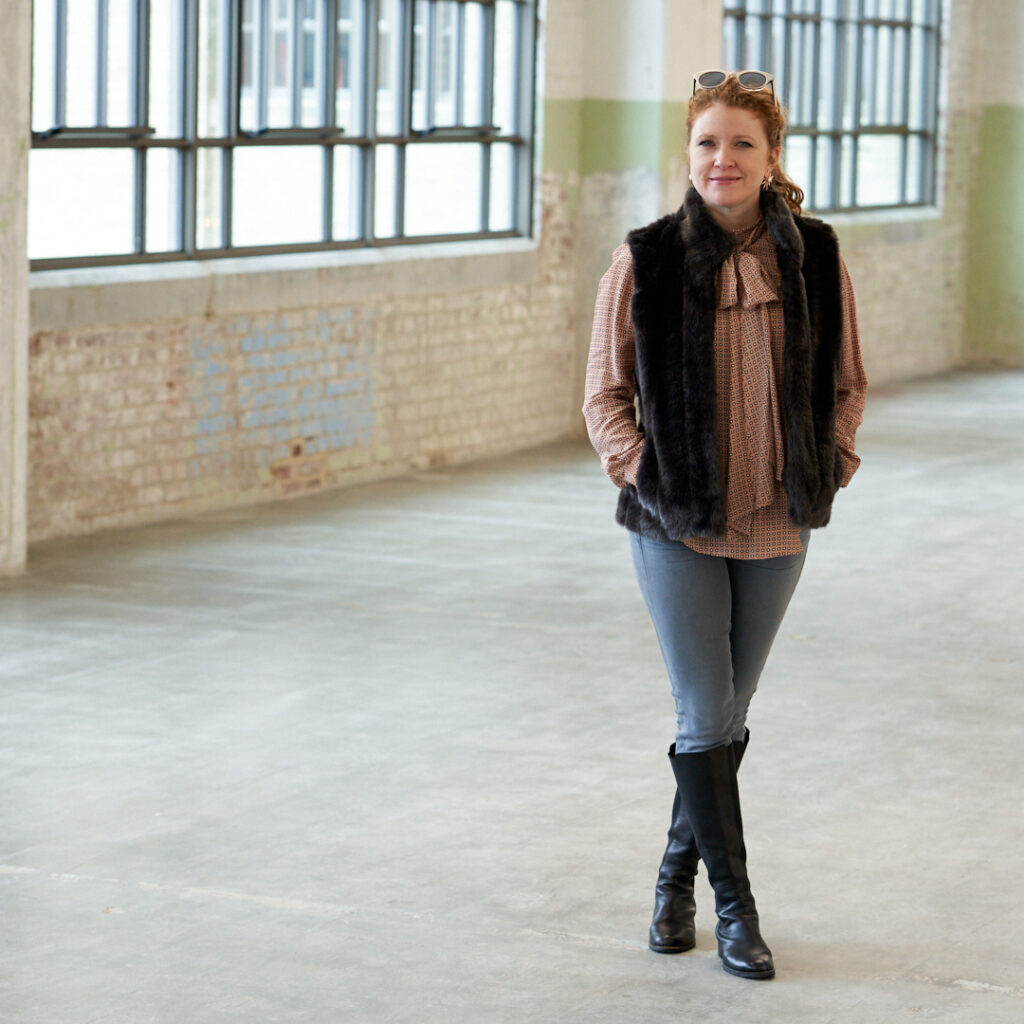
x=752, y=81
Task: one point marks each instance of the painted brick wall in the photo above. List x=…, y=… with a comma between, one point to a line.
x=146, y=421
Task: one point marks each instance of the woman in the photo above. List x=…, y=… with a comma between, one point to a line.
x=724, y=389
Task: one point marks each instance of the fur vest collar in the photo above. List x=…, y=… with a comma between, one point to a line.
x=679, y=490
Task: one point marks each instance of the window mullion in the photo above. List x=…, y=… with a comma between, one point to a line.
x=328, y=105
x=189, y=103
x=855, y=131
x=140, y=43
x=487, y=71
x=836, y=140
x=430, y=62
x=404, y=97
x=298, y=69
x=369, y=161
x=102, y=58
x=458, y=49
x=60, y=64
x=234, y=100
x=261, y=46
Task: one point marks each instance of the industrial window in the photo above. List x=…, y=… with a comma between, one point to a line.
x=191, y=129
x=860, y=79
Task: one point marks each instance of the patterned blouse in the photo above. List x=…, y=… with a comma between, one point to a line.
x=748, y=348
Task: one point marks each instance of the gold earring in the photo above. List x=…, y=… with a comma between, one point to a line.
x=767, y=183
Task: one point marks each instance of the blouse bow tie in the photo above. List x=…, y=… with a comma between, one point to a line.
x=742, y=282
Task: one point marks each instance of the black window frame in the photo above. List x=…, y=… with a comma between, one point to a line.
x=141, y=139
x=844, y=35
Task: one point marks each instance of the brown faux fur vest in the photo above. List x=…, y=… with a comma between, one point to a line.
x=679, y=490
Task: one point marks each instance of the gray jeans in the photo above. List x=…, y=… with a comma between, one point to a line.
x=716, y=619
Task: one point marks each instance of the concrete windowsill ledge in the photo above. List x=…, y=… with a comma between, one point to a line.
x=143, y=293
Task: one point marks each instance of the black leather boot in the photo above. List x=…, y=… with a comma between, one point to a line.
x=672, y=926
x=708, y=792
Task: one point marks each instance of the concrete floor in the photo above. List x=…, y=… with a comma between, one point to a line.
x=396, y=754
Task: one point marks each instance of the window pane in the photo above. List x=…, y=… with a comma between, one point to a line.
x=278, y=195
x=883, y=78
x=120, y=66
x=385, y=191
x=506, y=49
x=473, y=66
x=81, y=67
x=347, y=193
x=878, y=170
x=443, y=61
x=349, y=71
x=420, y=65
x=822, y=198
x=846, y=172
x=44, y=59
x=918, y=107
x=165, y=67
x=163, y=200
x=81, y=202
x=442, y=188
x=389, y=68
x=311, y=71
x=915, y=169
x=851, y=34
x=752, y=44
x=502, y=212
x=278, y=52
x=212, y=98
x=827, y=79
x=209, y=198
x=798, y=159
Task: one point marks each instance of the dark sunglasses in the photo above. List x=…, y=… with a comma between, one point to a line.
x=752, y=81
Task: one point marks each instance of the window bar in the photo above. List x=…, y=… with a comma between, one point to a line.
x=487, y=111
x=458, y=46
x=60, y=66
x=261, y=56
x=403, y=96
x=430, y=64
x=102, y=59
x=140, y=39
x=235, y=37
x=812, y=31
x=369, y=158
x=933, y=57
x=526, y=48
x=836, y=140
x=857, y=77
x=905, y=118
x=298, y=66
x=328, y=106
x=785, y=59
x=189, y=103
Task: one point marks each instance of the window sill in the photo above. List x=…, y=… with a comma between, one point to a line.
x=141, y=293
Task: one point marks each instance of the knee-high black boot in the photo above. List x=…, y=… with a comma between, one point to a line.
x=708, y=792
x=672, y=926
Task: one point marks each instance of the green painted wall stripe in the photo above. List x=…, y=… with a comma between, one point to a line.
x=995, y=276
x=563, y=127
x=591, y=136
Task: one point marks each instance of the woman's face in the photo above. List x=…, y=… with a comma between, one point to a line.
x=729, y=158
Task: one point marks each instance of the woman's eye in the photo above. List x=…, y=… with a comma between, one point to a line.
x=705, y=142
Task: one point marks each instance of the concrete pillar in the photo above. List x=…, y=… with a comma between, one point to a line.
x=15, y=77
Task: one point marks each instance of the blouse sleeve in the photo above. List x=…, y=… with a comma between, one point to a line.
x=852, y=383
x=610, y=386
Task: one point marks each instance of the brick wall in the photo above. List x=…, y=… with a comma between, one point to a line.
x=146, y=421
